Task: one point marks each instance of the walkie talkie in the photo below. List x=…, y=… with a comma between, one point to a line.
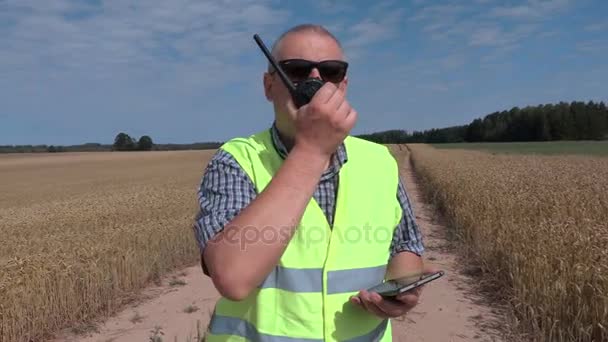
x=301, y=92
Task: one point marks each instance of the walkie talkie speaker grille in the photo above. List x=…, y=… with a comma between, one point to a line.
x=305, y=90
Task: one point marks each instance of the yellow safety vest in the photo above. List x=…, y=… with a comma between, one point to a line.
x=306, y=296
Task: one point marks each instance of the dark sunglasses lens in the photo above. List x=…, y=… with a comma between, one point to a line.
x=297, y=69
x=332, y=71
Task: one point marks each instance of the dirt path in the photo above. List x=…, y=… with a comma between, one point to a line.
x=184, y=299
x=449, y=309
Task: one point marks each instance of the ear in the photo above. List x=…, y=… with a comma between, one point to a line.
x=268, y=86
x=345, y=84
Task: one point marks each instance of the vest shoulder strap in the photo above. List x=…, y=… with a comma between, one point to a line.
x=371, y=156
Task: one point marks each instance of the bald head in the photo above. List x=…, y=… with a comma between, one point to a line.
x=296, y=34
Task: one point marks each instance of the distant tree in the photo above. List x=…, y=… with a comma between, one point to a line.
x=123, y=142
x=474, y=132
x=603, y=113
x=51, y=149
x=145, y=143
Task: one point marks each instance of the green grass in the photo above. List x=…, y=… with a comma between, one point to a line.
x=597, y=148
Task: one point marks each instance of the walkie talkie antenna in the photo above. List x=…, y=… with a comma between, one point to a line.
x=275, y=65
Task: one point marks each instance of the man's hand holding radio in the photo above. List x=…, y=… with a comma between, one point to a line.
x=323, y=123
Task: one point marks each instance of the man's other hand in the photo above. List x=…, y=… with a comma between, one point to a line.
x=387, y=307
x=391, y=307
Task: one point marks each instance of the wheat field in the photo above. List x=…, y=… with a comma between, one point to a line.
x=537, y=225
x=82, y=232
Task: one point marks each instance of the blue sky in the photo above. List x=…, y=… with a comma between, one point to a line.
x=183, y=70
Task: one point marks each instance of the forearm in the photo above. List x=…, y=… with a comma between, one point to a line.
x=250, y=246
x=404, y=264
x=407, y=246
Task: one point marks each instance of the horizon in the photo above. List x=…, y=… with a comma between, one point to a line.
x=78, y=72
x=363, y=133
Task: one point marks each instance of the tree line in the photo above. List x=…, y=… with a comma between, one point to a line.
x=563, y=121
x=88, y=147
x=122, y=142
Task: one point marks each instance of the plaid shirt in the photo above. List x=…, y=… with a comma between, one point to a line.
x=226, y=189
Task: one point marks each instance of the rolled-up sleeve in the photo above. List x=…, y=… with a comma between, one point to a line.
x=407, y=236
x=224, y=191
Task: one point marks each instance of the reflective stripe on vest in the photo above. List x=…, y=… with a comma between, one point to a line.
x=354, y=279
x=295, y=279
x=311, y=279
x=239, y=327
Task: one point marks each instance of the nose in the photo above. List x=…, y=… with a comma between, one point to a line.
x=314, y=73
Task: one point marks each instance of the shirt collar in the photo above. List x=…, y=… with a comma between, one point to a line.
x=338, y=159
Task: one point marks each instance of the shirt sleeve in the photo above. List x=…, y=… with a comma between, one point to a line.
x=407, y=236
x=224, y=191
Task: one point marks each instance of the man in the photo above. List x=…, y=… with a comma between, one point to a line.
x=294, y=219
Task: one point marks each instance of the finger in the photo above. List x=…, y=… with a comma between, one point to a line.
x=356, y=300
x=336, y=99
x=409, y=299
x=373, y=308
x=370, y=306
x=342, y=87
x=350, y=120
x=343, y=109
x=325, y=93
x=392, y=308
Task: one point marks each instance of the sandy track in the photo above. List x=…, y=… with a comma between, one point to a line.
x=449, y=310
x=164, y=308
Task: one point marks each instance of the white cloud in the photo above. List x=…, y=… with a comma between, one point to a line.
x=599, y=26
x=514, y=11
x=369, y=31
x=336, y=27
x=593, y=46
x=530, y=9
x=453, y=61
x=333, y=6
x=456, y=23
x=434, y=87
x=486, y=36
x=155, y=38
x=498, y=54
x=548, y=34
x=494, y=35
x=435, y=13
x=468, y=32
x=446, y=23
x=380, y=26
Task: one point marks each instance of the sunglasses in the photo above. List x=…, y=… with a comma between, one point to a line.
x=332, y=71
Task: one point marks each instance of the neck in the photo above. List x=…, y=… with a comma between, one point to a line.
x=286, y=135
x=287, y=141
